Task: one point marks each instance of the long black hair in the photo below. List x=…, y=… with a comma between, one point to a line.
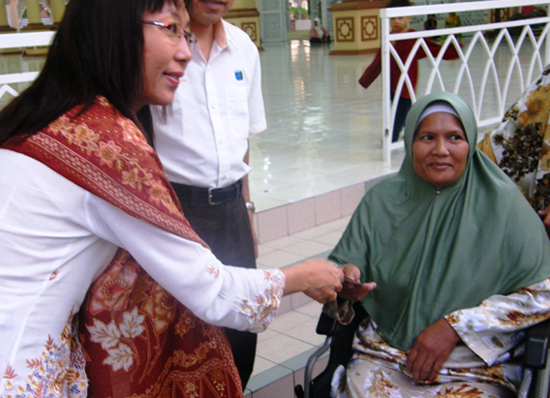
x=98, y=50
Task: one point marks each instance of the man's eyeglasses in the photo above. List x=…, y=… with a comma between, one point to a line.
x=175, y=31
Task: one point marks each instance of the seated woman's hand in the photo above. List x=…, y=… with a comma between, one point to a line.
x=430, y=351
x=352, y=289
x=317, y=278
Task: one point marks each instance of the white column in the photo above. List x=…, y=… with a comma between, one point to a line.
x=12, y=14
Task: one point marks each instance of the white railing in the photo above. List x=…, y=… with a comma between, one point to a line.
x=490, y=74
x=21, y=40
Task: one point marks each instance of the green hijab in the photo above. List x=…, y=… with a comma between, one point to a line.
x=432, y=253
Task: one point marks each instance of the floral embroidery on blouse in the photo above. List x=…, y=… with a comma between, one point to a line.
x=215, y=272
x=54, y=274
x=263, y=310
x=59, y=371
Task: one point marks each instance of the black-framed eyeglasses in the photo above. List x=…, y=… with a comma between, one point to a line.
x=175, y=31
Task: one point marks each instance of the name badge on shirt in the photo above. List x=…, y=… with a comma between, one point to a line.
x=239, y=75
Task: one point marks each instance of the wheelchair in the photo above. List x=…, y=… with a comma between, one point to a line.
x=536, y=372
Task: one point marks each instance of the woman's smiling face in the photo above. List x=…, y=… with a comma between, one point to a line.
x=440, y=149
x=165, y=55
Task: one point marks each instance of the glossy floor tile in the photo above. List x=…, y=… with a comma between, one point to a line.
x=323, y=128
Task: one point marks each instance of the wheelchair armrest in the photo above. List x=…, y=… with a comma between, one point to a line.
x=326, y=325
x=536, y=345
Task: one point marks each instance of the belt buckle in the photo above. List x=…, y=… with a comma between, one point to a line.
x=211, y=201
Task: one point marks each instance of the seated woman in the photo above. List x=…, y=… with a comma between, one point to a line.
x=318, y=34
x=521, y=145
x=461, y=264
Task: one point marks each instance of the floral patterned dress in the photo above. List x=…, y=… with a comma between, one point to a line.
x=482, y=365
x=521, y=144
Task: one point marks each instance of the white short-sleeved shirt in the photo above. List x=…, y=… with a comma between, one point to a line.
x=217, y=105
x=56, y=238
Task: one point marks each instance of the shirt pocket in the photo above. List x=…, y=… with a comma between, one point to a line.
x=237, y=111
x=236, y=93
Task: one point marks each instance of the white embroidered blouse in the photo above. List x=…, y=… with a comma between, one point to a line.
x=55, y=242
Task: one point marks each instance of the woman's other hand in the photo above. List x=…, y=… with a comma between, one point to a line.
x=317, y=278
x=430, y=351
x=353, y=289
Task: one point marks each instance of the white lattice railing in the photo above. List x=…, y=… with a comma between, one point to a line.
x=20, y=40
x=491, y=72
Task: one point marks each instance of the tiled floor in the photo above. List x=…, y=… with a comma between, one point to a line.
x=323, y=128
x=283, y=349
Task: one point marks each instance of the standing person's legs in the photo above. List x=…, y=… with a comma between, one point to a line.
x=226, y=229
x=403, y=106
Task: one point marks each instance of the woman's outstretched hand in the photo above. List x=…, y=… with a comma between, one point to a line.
x=353, y=289
x=317, y=278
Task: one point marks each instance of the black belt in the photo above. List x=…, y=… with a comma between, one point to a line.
x=212, y=196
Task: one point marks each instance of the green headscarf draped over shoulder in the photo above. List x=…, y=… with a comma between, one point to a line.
x=434, y=252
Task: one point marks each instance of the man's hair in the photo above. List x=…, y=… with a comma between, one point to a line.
x=98, y=50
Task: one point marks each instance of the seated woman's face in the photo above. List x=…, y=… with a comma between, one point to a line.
x=440, y=149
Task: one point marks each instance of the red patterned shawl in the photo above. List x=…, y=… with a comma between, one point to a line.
x=138, y=340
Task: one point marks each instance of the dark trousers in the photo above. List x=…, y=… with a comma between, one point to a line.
x=403, y=107
x=226, y=229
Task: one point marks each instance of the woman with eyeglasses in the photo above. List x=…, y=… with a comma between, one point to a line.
x=84, y=201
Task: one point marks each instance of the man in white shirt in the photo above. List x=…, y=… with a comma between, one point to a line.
x=202, y=142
